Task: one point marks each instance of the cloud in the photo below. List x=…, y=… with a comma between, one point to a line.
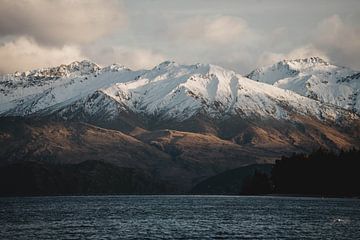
x=98, y=30
x=230, y=41
x=24, y=54
x=60, y=22
x=134, y=58
x=212, y=30
x=306, y=52
x=218, y=39
x=331, y=39
x=268, y=58
x=339, y=40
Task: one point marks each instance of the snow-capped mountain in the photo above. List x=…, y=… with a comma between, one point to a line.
x=181, y=123
x=29, y=92
x=168, y=91
x=315, y=78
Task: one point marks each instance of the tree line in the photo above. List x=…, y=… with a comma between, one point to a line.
x=322, y=172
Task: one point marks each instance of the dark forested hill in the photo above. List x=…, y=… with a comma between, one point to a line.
x=320, y=173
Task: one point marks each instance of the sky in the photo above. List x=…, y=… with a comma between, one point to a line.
x=236, y=34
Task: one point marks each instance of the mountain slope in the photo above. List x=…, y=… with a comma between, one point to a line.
x=200, y=98
x=169, y=91
x=25, y=93
x=179, y=158
x=314, y=78
x=177, y=124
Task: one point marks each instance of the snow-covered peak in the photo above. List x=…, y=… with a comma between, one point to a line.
x=38, y=78
x=41, y=88
x=166, y=64
x=45, y=76
x=64, y=70
x=115, y=67
x=306, y=62
x=181, y=91
x=287, y=68
x=314, y=78
x=168, y=91
x=84, y=67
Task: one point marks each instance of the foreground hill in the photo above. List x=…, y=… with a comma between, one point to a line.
x=180, y=159
x=173, y=160
x=31, y=178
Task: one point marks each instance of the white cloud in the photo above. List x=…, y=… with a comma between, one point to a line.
x=333, y=32
x=331, y=39
x=24, y=54
x=212, y=30
x=134, y=58
x=218, y=39
x=60, y=22
x=341, y=41
x=268, y=58
x=137, y=58
x=231, y=42
x=72, y=29
x=306, y=52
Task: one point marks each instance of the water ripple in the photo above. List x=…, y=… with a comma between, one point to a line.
x=178, y=217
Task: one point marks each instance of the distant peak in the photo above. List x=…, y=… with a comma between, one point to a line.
x=288, y=67
x=63, y=70
x=115, y=67
x=294, y=65
x=309, y=60
x=83, y=64
x=166, y=64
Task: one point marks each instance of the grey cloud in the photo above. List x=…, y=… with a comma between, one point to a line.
x=330, y=38
x=225, y=40
x=60, y=22
x=240, y=35
x=341, y=41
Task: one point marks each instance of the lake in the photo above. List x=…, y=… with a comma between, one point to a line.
x=178, y=217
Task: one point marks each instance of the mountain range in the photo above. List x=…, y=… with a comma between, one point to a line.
x=314, y=78
x=178, y=123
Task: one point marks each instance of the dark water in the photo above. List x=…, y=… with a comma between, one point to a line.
x=181, y=217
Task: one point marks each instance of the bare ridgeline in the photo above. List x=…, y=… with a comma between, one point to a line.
x=85, y=129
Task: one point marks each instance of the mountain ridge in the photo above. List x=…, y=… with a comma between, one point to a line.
x=174, y=123
x=314, y=78
x=168, y=91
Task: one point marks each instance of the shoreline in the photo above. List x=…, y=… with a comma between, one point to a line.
x=184, y=195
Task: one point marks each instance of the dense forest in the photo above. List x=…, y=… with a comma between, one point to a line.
x=321, y=173
x=31, y=178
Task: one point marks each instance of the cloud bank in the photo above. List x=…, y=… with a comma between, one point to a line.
x=25, y=54
x=339, y=40
x=133, y=58
x=239, y=35
x=60, y=22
